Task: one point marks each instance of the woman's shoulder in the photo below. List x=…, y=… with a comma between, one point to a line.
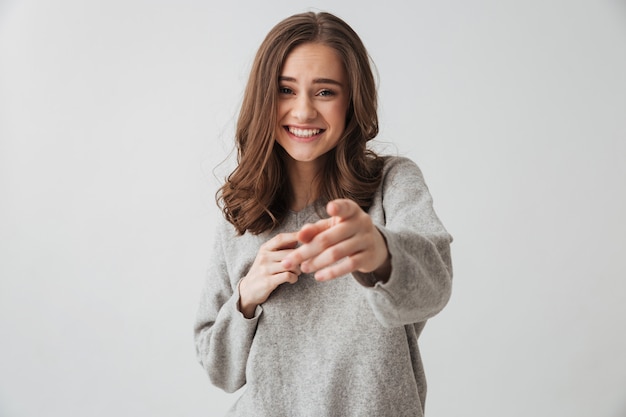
x=402, y=166
x=230, y=238
x=224, y=230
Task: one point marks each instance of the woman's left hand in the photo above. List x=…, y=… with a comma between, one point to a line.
x=346, y=242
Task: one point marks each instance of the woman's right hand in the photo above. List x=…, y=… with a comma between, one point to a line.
x=267, y=273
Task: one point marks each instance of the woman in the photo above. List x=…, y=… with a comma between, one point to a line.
x=330, y=258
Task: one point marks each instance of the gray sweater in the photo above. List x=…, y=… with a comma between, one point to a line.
x=347, y=347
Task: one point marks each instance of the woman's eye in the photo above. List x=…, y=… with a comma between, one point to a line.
x=285, y=90
x=326, y=93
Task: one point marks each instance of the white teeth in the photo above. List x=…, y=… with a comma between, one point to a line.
x=304, y=133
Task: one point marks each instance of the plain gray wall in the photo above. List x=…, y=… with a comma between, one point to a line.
x=115, y=114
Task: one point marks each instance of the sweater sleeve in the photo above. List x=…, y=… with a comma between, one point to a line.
x=223, y=336
x=421, y=269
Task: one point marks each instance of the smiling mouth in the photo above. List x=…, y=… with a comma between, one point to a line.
x=303, y=133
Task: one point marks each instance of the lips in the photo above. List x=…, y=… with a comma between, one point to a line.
x=303, y=133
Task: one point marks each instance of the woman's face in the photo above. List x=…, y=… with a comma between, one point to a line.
x=313, y=100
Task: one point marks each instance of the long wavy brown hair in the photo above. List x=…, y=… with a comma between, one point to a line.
x=256, y=195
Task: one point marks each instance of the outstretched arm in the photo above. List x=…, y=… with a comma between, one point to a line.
x=400, y=250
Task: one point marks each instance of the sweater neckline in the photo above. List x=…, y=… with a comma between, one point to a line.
x=306, y=209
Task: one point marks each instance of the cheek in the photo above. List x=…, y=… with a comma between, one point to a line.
x=280, y=112
x=340, y=113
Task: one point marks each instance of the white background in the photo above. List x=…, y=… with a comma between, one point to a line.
x=115, y=116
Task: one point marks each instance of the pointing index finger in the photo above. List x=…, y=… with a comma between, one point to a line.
x=341, y=209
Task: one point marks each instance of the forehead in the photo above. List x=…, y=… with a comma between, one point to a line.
x=314, y=60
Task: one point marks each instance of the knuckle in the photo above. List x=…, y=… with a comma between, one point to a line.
x=323, y=240
x=284, y=277
x=350, y=263
x=334, y=253
x=296, y=256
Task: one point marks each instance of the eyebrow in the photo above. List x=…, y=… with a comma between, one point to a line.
x=315, y=81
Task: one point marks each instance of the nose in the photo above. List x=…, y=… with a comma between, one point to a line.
x=303, y=109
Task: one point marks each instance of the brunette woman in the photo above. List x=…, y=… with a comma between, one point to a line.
x=330, y=258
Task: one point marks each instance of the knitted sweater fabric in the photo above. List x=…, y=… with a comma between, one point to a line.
x=346, y=347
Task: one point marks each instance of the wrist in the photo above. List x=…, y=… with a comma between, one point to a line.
x=244, y=306
x=383, y=271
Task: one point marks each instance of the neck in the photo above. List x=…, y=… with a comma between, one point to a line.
x=304, y=181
